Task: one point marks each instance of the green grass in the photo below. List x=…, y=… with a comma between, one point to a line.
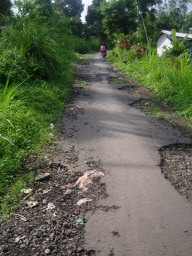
x=156, y=112
x=35, y=82
x=36, y=59
x=14, y=195
x=169, y=79
x=26, y=113
x=84, y=45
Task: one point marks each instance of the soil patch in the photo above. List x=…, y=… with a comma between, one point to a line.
x=53, y=222
x=50, y=219
x=176, y=166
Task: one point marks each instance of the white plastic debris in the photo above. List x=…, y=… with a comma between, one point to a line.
x=43, y=176
x=83, y=201
x=32, y=204
x=26, y=190
x=50, y=206
x=51, y=126
x=79, y=221
x=68, y=192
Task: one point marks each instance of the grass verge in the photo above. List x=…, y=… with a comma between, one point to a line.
x=169, y=81
x=25, y=118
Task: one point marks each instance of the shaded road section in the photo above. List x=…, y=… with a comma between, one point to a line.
x=150, y=217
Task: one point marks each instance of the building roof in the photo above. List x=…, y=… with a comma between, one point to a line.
x=181, y=35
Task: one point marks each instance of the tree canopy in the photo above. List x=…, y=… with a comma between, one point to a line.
x=172, y=14
x=119, y=16
x=41, y=8
x=5, y=7
x=71, y=8
x=94, y=19
x=137, y=17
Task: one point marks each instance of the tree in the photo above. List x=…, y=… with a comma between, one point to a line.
x=188, y=23
x=94, y=19
x=41, y=9
x=71, y=8
x=120, y=16
x=5, y=7
x=5, y=11
x=172, y=15
x=94, y=12
x=145, y=5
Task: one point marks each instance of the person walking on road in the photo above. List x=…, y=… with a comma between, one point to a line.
x=103, y=50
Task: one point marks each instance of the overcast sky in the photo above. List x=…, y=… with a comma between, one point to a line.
x=86, y=4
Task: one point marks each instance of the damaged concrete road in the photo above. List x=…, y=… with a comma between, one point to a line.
x=153, y=218
x=105, y=194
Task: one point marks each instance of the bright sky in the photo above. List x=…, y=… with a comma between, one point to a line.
x=86, y=4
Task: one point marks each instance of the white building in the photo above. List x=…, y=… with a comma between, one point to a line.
x=164, y=40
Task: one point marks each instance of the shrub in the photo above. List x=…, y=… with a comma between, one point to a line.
x=25, y=117
x=81, y=45
x=168, y=78
x=35, y=65
x=13, y=66
x=43, y=51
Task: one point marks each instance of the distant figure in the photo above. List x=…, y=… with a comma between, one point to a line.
x=103, y=50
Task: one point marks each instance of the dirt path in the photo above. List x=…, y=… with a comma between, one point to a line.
x=134, y=210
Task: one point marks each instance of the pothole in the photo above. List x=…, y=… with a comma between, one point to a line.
x=176, y=165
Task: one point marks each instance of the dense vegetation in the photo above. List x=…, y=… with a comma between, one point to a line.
x=168, y=77
x=38, y=46
x=131, y=28
x=137, y=18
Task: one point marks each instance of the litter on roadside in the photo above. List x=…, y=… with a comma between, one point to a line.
x=50, y=206
x=43, y=176
x=51, y=126
x=79, y=221
x=26, y=190
x=32, y=204
x=83, y=201
x=88, y=178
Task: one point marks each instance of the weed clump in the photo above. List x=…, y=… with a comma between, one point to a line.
x=36, y=56
x=168, y=77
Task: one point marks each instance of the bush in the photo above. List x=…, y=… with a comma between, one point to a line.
x=13, y=66
x=35, y=79
x=95, y=43
x=83, y=45
x=40, y=50
x=25, y=117
x=168, y=78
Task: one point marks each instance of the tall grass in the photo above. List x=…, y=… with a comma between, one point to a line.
x=36, y=50
x=25, y=117
x=35, y=81
x=169, y=78
x=83, y=45
x=36, y=56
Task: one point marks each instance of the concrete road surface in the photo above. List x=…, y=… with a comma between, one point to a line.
x=152, y=219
